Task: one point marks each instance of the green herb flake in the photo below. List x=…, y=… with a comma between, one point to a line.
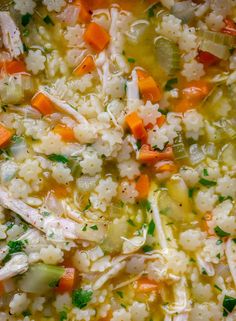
x=220, y=232
x=80, y=298
x=204, y=272
x=170, y=83
x=205, y=172
x=218, y=242
x=26, y=313
x=146, y=205
x=151, y=228
x=125, y=87
x=25, y=48
x=207, y=183
x=14, y=247
x=62, y=316
x=131, y=222
x=26, y=32
x=138, y=144
x=54, y=284
x=147, y=248
x=217, y=287
x=131, y=60
x=94, y=227
x=151, y=10
x=190, y=192
x=120, y=293
x=85, y=228
x=58, y=158
x=123, y=305
x=192, y=260
x=229, y=303
x=25, y=19
x=234, y=240
x=87, y=206
x=48, y=20
x=218, y=255
x=224, y=198
x=16, y=139
x=46, y=214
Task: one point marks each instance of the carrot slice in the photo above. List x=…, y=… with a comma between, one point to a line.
x=136, y=126
x=96, y=36
x=161, y=120
x=66, y=283
x=42, y=104
x=85, y=67
x=85, y=13
x=5, y=136
x=147, y=155
x=149, y=89
x=15, y=66
x=145, y=285
x=66, y=133
x=196, y=91
x=182, y=106
x=142, y=186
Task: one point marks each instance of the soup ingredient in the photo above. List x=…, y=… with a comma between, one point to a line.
x=66, y=133
x=136, y=126
x=5, y=136
x=142, y=186
x=15, y=66
x=145, y=285
x=96, y=36
x=85, y=67
x=81, y=297
x=168, y=55
x=67, y=281
x=149, y=89
x=42, y=104
x=40, y=278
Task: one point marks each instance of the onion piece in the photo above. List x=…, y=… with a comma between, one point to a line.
x=18, y=264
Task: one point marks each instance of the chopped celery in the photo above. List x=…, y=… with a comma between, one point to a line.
x=184, y=10
x=196, y=154
x=40, y=278
x=168, y=55
x=218, y=50
x=226, y=127
x=218, y=38
x=179, y=148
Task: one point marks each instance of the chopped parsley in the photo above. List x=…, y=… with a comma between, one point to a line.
x=94, y=227
x=234, y=240
x=204, y=272
x=170, y=83
x=229, y=303
x=80, y=298
x=14, y=247
x=151, y=10
x=87, y=206
x=26, y=313
x=146, y=205
x=58, y=158
x=131, y=60
x=16, y=139
x=220, y=232
x=138, y=144
x=151, y=228
x=45, y=214
x=192, y=260
x=224, y=198
x=218, y=242
x=26, y=32
x=85, y=228
x=218, y=255
x=147, y=248
x=205, y=172
x=207, y=183
x=217, y=287
x=25, y=19
x=63, y=316
x=120, y=293
x=190, y=192
x=48, y=20
x=131, y=222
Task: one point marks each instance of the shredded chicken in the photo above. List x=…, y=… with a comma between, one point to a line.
x=18, y=264
x=64, y=107
x=10, y=35
x=57, y=228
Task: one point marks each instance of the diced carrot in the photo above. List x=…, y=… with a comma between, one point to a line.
x=136, y=126
x=148, y=155
x=206, y=58
x=85, y=13
x=15, y=66
x=149, y=89
x=145, y=285
x=142, y=186
x=230, y=27
x=182, y=106
x=96, y=36
x=66, y=283
x=66, y=133
x=196, y=91
x=165, y=166
x=205, y=224
x=161, y=120
x=85, y=67
x=42, y=104
x=141, y=74
x=5, y=136
x=60, y=191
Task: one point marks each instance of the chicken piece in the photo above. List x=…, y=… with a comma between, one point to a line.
x=10, y=35
x=18, y=264
x=56, y=228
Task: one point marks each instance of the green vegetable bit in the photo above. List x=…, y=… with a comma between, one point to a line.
x=25, y=19
x=14, y=247
x=151, y=228
x=147, y=248
x=63, y=316
x=58, y=158
x=48, y=20
x=228, y=305
x=170, y=83
x=80, y=298
x=220, y=232
x=207, y=183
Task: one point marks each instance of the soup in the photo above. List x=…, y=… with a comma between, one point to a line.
x=117, y=160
